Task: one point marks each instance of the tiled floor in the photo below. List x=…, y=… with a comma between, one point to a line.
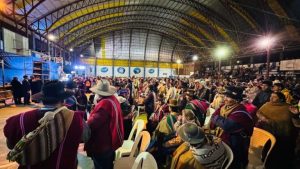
x=84, y=162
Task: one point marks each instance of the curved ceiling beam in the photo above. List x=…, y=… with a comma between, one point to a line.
x=182, y=18
x=206, y=11
x=284, y=19
x=84, y=4
x=146, y=18
x=169, y=33
x=156, y=28
x=181, y=46
x=90, y=5
x=229, y=4
x=144, y=21
x=177, y=41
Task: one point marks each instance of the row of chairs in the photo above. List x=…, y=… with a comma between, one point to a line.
x=138, y=157
x=257, y=143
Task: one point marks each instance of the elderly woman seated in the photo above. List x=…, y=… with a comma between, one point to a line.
x=199, y=151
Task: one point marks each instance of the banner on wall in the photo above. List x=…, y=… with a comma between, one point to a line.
x=121, y=71
x=104, y=70
x=151, y=72
x=165, y=72
x=137, y=71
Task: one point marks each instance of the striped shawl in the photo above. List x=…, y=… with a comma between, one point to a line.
x=39, y=144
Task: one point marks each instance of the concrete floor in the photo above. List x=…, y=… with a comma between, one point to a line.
x=83, y=161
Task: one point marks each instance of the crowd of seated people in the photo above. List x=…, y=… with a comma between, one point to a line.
x=191, y=121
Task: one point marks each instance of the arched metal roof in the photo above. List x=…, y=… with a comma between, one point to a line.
x=196, y=24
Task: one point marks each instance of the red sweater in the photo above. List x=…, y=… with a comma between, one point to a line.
x=13, y=133
x=102, y=122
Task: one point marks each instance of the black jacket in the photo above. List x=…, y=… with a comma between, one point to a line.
x=17, y=88
x=26, y=85
x=261, y=98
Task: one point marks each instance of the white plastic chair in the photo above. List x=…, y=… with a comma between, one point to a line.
x=145, y=161
x=140, y=145
x=128, y=144
x=209, y=113
x=229, y=155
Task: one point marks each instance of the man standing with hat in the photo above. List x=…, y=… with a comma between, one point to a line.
x=265, y=94
x=234, y=125
x=106, y=123
x=63, y=128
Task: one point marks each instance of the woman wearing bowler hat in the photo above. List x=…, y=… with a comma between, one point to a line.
x=234, y=125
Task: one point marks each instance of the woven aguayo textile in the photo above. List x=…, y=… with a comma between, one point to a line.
x=40, y=143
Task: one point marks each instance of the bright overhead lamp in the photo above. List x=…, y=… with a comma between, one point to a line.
x=222, y=52
x=195, y=57
x=71, y=49
x=81, y=55
x=265, y=42
x=51, y=37
x=178, y=61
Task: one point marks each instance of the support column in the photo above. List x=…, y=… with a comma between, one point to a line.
x=113, y=56
x=172, y=57
x=145, y=51
x=95, y=63
x=159, y=55
x=2, y=66
x=129, y=62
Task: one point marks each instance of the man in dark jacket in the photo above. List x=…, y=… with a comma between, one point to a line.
x=263, y=96
x=17, y=90
x=26, y=90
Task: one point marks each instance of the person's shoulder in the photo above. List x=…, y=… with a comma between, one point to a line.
x=14, y=121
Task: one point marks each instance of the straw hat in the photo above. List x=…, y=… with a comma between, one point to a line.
x=103, y=88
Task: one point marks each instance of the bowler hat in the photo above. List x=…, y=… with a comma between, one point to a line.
x=267, y=82
x=191, y=133
x=53, y=91
x=235, y=93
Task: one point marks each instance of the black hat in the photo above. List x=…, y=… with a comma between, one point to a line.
x=235, y=93
x=25, y=76
x=267, y=82
x=71, y=85
x=279, y=85
x=53, y=91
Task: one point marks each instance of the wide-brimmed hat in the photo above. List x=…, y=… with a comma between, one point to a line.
x=53, y=91
x=191, y=133
x=173, y=103
x=268, y=82
x=279, y=85
x=103, y=88
x=235, y=93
